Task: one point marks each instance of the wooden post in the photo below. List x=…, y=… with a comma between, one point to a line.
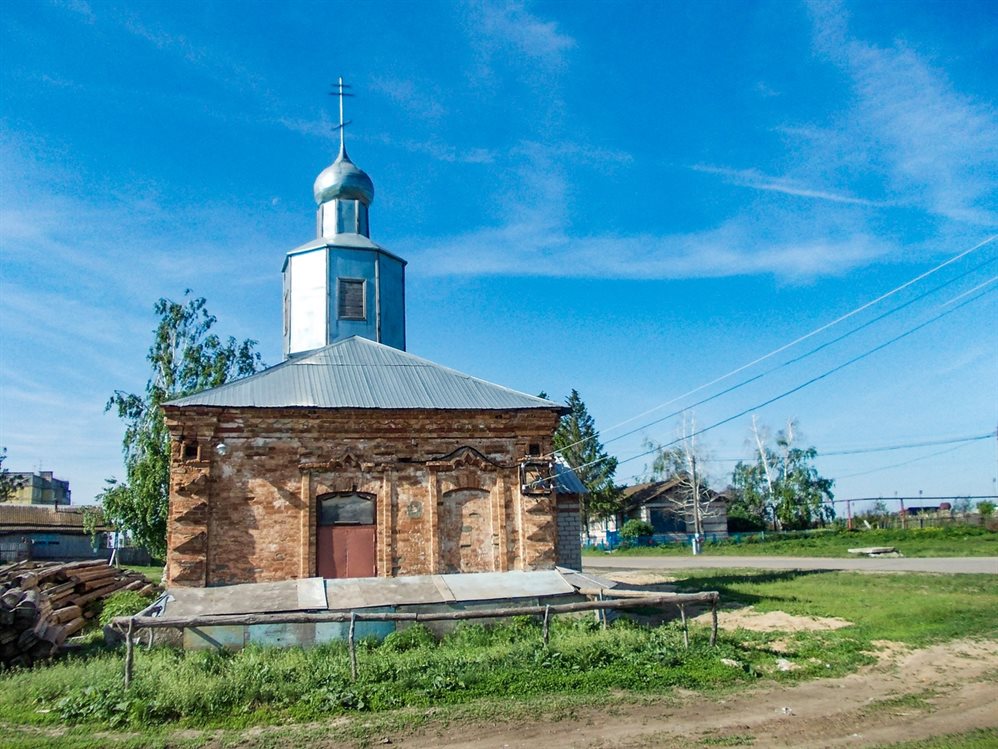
x=352, y=646
x=686, y=629
x=129, y=652
x=547, y=616
x=602, y=612
x=713, y=622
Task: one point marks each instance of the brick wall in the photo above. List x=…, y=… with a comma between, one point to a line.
x=446, y=487
x=569, y=550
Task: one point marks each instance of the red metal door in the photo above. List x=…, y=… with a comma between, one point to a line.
x=345, y=551
x=346, y=535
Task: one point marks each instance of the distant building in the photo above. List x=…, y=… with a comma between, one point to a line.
x=56, y=532
x=659, y=503
x=40, y=488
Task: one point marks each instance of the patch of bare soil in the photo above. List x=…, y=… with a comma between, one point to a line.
x=907, y=695
x=772, y=621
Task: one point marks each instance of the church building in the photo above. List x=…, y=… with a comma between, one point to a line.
x=354, y=458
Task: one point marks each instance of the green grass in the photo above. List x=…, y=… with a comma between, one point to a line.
x=494, y=673
x=953, y=541
x=917, y=609
x=153, y=573
x=984, y=738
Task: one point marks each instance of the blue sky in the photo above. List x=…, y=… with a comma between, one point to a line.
x=631, y=199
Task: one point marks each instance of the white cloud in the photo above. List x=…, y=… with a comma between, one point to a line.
x=538, y=247
x=510, y=25
x=940, y=146
x=756, y=180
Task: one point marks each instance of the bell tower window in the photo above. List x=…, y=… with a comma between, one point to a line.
x=351, y=299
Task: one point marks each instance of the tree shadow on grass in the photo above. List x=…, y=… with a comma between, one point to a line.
x=723, y=584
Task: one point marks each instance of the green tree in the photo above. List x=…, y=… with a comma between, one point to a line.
x=577, y=441
x=186, y=357
x=782, y=486
x=986, y=508
x=9, y=483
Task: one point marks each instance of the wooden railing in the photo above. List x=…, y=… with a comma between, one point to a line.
x=623, y=599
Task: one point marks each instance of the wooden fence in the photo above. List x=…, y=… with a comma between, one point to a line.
x=623, y=599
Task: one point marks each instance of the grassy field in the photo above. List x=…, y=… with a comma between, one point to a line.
x=956, y=541
x=491, y=673
x=153, y=573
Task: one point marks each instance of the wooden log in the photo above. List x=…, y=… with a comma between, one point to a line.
x=350, y=644
x=713, y=622
x=99, y=593
x=135, y=585
x=11, y=597
x=129, y=652
x=104, y=571
x=57, y=590
x=29, y=600
x=66, y=614
x=74, y=626
x=686, y=629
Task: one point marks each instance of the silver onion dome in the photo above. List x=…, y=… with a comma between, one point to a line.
x=345, y=180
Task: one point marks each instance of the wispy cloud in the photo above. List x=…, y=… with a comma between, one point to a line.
x=756, y=180
x=940, y=145
x=418, y=100
x=511, y=26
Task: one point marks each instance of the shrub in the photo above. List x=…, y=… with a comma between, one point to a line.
x=122, y=603
x=634, y=529
x=410, y=638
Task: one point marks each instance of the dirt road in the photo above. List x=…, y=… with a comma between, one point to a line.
x=908, y=695
x=948, y=565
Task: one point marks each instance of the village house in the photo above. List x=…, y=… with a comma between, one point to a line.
x=354, y=458
x=665, y=506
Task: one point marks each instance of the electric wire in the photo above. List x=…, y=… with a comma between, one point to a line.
x=885, y=448
x=793, y=343
x=797, y=359
x=904, y=462
x=823, y=375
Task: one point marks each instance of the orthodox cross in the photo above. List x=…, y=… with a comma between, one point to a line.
x=339, y=90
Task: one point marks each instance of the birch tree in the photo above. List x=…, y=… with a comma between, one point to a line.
x=685, y=462
x=186, y=357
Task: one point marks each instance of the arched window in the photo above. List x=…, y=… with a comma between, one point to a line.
x=348, y=508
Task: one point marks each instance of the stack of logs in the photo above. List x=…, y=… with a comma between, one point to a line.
x=43, y=603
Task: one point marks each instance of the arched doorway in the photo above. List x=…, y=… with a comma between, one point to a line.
x=466, y=531
x=346, y=535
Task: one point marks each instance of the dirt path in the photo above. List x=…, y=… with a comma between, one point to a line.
x=908, y=695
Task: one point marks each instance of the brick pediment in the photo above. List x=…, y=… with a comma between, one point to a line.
x=463, y=457
x=347, y=462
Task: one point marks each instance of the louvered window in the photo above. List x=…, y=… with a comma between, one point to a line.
x=351, y=299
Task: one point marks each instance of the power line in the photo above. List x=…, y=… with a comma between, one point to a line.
x=823, y=375
x=885, y=448
x=905, y=462
x=795, y=342
x=803, y=356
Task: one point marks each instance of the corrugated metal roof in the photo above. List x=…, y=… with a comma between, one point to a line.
x=566, y=481
x=359, y=373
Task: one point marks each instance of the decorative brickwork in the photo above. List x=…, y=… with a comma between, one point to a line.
x=446, y=486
